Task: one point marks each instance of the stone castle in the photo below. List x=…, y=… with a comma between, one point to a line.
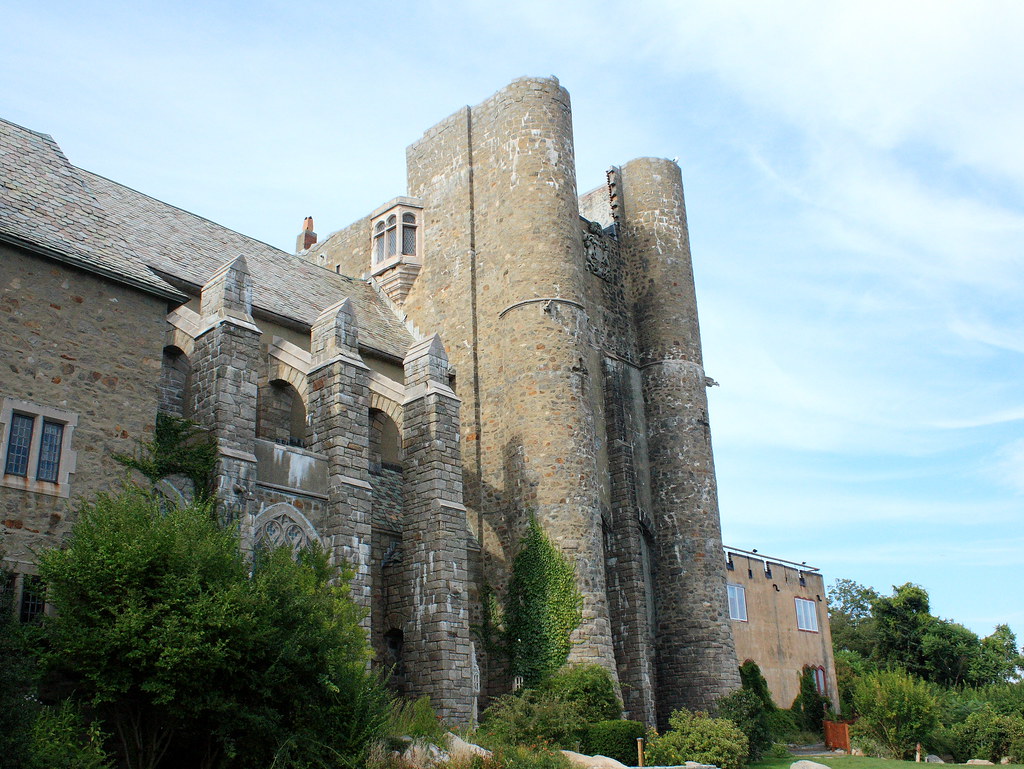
x=407, y=391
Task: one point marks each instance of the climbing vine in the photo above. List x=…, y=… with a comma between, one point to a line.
x=179, y=447
x=542, y=608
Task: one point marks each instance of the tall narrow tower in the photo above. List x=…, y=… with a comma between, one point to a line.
x=696, y=658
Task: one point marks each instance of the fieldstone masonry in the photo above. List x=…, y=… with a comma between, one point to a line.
x=224, y=368
x=570, y=334
x=578, y=355
x=434, y=538
x=339, y=407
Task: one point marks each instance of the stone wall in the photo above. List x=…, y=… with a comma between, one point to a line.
x=103, y=366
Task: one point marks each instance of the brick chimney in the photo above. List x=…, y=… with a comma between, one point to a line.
x=307, y=237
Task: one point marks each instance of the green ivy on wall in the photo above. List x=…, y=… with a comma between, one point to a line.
x=178, y=447
x=542, y=608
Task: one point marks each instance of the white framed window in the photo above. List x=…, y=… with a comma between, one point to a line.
x=806, y=615
x=35, y=447
x=396, y=234
x=737, y=602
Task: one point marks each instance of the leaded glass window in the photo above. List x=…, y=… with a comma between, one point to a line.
x=19, y=444
x=49, y=451
x=409, y=234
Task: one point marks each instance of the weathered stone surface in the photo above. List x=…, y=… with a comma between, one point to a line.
x=592, y=762
x=931, y=758
x=805, y=764
x=980, y=762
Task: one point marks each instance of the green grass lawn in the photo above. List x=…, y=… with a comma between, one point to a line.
x=853, y=762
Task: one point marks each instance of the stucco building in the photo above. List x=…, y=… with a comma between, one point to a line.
x=779, y=615
x=488, y=346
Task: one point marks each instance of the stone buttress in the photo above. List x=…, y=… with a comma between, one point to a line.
x=434, y=539
x=503, y=274
x=696, y=659
x=339, y=407
x=225, y=364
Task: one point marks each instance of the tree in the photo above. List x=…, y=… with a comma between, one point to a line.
x=949, y=652
x=999, y=659
x=896, y=709
x=181, y=648
x=542, y=608
x=850, y=617
x=900, y=621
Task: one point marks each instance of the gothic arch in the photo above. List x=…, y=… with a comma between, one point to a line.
x=391, y=408
x=283, y=524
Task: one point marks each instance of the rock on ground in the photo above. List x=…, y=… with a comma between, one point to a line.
x=592, y=762
x=931, y=758
x=458, y=747
x=805, y=764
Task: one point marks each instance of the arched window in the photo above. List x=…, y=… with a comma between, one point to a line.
x=392, y=235
x=409, y=234
x=378, y=242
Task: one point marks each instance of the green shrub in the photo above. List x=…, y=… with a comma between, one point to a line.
x=698, y=737
x=522, y=757
x=809, y=707
x=745, y=709
x=61, y=738
x=778, y=751
x=987, y=735
x=754, y=681
x=416, y=719
x=590, y=688
x=783, y=725
x=615, y=739
x=531, y=717
x=896, y=710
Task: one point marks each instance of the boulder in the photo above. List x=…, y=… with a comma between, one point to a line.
x=459, y=748
x=805, y=764
x=931, y=758
x=592, y=762
x=980, y=762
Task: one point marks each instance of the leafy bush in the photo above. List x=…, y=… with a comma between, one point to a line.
x=416, y=719
x=61, y=738
x=809, y=707
x=590, y=688
x=615, y=739
x=896, y=710
x=783, y=725
x=986, y=735
x=745, y=709
x=850, y=668
x=531, y=717
x=522, y=757
x=181, y=647
x=698, y=737
x=778, y=751
x=17, y=703
x=752, y=680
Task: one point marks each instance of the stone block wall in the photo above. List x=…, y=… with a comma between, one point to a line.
x=103, y=366
x=696, y=658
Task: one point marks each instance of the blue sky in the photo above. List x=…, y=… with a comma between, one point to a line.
x=855, y=188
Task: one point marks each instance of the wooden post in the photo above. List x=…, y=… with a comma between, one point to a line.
x=917, y=753
x=640, y=751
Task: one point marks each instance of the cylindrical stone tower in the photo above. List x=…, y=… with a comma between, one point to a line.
x=696, y=658
x=503, y=269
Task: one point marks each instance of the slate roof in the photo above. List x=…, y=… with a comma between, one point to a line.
x=48, y=205
x=188, y=247
x=45, y=206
